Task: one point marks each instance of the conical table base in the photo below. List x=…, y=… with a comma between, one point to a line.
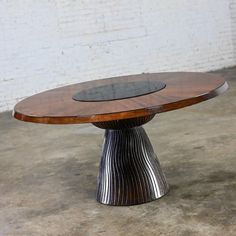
x=130, y=172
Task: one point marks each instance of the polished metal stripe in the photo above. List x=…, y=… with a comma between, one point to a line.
x=130, y=172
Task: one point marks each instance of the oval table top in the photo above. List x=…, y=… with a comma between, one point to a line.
x=57, y=106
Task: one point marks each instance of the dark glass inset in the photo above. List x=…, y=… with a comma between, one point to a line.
x=119, y=91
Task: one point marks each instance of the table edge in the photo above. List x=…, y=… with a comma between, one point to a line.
x=122, y=115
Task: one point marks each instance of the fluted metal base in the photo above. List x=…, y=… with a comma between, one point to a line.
x=130, y=172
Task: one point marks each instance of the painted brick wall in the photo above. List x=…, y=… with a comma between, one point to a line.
x=50, y=43
x=233, y=24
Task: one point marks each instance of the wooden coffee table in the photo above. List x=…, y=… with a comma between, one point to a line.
x=130, y=172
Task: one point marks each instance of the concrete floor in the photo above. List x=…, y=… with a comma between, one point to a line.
x=48, y=176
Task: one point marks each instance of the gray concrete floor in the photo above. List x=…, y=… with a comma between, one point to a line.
x=48, y=176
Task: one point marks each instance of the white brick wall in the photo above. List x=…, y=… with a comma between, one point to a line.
x=233, y=24
x=50, y=43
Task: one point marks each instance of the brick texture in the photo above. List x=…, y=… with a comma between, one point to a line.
x=233, y=24
x=46, y=44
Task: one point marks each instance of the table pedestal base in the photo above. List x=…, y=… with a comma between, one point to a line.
x=130, y=172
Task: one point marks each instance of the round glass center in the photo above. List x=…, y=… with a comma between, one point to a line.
x=118, y=91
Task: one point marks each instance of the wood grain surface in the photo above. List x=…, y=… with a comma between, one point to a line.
x=182, y=89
